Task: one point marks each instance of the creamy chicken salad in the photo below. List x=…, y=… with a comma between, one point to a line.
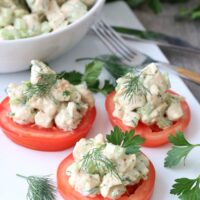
x=46, y=100
x=101, y=167
x=144, y=98
x=28, y=18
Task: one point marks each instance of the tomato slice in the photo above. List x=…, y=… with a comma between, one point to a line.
x=44, y=139
x=152, y=134
x=141, y=191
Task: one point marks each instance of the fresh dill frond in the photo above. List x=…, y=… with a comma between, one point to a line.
x=40, y=188
x=95, y=162
x=133, y=85
x=42, y=88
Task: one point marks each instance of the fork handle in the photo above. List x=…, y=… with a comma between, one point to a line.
x=194, y=76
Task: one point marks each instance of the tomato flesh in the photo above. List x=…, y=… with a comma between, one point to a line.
x=153, y=135
x=44, y=139
x=141, y=191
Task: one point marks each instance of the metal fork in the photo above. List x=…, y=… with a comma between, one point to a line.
x=132, y=57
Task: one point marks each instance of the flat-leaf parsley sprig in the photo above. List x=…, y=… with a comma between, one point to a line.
x=126, y=139
x=187, y=189
x=90, y=77
x=40, y=187
x=179, y=151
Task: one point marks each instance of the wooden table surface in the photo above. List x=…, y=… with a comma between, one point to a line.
x=187, y=30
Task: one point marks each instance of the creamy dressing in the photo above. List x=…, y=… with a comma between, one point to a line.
x=36, y=17
x=150, y=103
x=46, y=100
x=94, y=179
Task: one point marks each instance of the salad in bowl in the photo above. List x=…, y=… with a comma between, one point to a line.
x=42, y=29
x=28, y=18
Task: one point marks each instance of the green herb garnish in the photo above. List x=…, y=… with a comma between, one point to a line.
x=40, y=188
x=133, y=85
x=113, y=64
x=90, y=77
x=40, y=89
x=95, y=162
x=179, y=151
x=186, y=189
x=92, y=72
x=106, y=89
x=73, y=77
x=126, y=139
x=66, y=93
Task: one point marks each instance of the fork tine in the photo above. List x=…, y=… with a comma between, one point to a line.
x=118, y=38
x=117, y=45
x=120, y=47
x=105, y=41
x=109, y=42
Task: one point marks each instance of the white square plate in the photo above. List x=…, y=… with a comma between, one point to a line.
x=16, y=159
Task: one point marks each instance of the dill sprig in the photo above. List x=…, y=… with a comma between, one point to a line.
x=95, y=162
x=42, y=88
x=133, y=85
x=40, y=188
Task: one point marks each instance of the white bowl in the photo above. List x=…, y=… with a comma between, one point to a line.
x=15, y=55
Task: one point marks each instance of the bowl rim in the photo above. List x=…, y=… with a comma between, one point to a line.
x=94, y=8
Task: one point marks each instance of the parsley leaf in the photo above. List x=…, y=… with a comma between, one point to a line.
x=90, y=77
x=179, y=151
x=176, y=154
x=186, y=188
x=107, y=88
x=73, y=77
x=92, y=72
x=179, y=139
x=113, y=64
x=126, y=139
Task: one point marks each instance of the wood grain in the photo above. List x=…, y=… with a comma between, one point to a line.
x=189, y=74
x=187, y=30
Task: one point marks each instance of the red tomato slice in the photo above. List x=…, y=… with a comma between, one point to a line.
x=152, y=134
x=44, y=139
x=141, y=191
